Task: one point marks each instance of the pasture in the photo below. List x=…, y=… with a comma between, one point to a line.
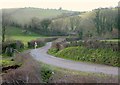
x=15, y=33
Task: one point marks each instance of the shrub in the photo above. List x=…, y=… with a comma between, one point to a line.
x=93, y=44
x=49, y=39
x=40, y=42
x=9, y=46
x=59, y=44
x=72, y=39
x=46, y=73
x=6, y=62
x=31, y=44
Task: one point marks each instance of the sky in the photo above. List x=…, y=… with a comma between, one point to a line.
x=75, y=5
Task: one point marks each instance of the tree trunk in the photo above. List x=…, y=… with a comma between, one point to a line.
x=3, y=33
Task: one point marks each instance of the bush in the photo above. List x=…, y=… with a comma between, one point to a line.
x=40, y=42
x=31, y=44
x=6, y=62
x=46, y=73
x=59, y=44
x=9, y=46
x=49, y=39
x=72, y=39
x=101, y=44
x=93, y=44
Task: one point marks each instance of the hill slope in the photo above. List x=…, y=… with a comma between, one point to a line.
x=23, y=15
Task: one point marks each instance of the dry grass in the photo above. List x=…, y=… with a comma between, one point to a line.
x=70, y=76
x=29, y=72
x=60, y=77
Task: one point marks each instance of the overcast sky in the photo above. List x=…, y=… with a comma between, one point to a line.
x=76, y=5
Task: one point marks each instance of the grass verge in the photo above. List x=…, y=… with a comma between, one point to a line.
x=60, y=75
x=101, y=56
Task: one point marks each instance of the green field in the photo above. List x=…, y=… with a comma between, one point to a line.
x=17, y=34
x=15, y=31
x=25, y=39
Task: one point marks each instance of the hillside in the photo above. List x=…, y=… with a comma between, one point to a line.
x=23, y=15
x=64, y=22
x=106, y=23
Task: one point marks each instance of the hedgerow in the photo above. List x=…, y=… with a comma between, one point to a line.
x=8, y=47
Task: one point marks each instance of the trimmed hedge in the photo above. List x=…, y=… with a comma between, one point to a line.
x=72, y=39
x=59, y=44
x=31, y=44
x=94, y=44
x=40, y=42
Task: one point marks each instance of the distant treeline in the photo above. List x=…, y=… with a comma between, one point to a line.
x=102, y=22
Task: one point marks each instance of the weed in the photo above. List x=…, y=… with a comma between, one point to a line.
x=46, y=73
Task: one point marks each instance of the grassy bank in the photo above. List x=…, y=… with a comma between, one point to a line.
x=53, y=74
x=6, y=62
x=28, y=72
x=101, y=56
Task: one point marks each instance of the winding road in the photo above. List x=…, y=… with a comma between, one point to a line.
x=40, y=54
